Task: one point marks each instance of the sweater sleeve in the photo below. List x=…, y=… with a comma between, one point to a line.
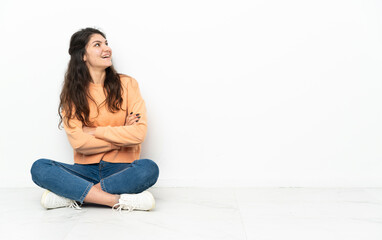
x=85, y=143
x=124, y=136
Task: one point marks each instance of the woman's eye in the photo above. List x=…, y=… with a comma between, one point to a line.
x=97, y=44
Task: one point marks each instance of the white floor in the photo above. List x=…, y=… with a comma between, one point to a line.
x=200, y=213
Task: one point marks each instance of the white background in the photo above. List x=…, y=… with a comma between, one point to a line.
x=239, y=93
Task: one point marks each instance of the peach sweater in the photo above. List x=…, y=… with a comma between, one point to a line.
x=110, y=131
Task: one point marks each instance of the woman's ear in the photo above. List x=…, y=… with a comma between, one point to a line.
x=84, y=58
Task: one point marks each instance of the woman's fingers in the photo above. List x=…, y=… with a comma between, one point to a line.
x=129, y=120
x=132, y=118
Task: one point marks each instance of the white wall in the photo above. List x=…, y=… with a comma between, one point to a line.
x=239, y=93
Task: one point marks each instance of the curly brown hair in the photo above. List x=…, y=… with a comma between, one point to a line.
x=75, y=90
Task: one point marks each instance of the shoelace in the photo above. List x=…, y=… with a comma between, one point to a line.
x=74, y=205
x=121, y=207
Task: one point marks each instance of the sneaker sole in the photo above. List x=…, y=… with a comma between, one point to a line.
x=153, y=200
x=43, y=197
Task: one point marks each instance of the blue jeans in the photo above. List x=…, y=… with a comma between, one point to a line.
x=75, y=181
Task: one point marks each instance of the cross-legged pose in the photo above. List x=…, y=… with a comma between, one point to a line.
x=104, y=117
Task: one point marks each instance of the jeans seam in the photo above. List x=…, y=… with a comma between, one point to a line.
x=116, y=173
x=90, y=183
x=74, y=171
x=103, y=187
x=86, y=192
x=103, y=180
x=100, y=174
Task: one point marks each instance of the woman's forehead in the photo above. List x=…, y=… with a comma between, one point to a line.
x=96, y=37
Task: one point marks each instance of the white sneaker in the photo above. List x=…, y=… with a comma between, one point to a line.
x=50, y=200
x=141, y=201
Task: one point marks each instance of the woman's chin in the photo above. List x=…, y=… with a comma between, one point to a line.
x=106, y=66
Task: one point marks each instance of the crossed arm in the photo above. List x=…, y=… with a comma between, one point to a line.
x=87, y=141
x=131, y=119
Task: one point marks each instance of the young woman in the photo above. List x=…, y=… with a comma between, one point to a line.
x=104, y=117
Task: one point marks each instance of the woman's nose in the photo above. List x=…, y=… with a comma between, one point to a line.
x=107, y=48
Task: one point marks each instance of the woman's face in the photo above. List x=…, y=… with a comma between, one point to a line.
x=98, y=53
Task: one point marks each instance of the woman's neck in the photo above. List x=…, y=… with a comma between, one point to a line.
x=98, y=77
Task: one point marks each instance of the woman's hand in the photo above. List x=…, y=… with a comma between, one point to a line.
x=132, y=118
x=89, y=130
